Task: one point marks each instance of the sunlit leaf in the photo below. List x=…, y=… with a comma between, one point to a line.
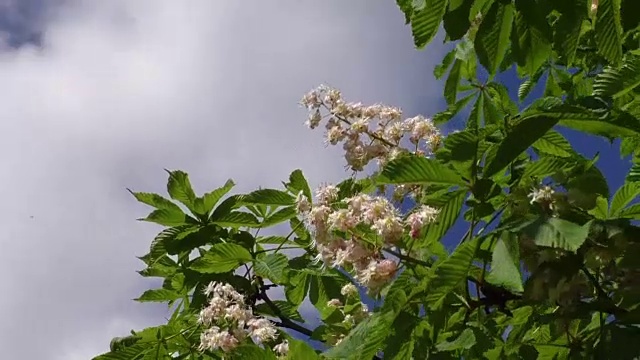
x=221, y=258
x=493, y=34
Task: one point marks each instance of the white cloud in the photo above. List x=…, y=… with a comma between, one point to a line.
x=123, y=89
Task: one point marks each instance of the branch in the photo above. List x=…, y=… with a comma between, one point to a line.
x=284, y=321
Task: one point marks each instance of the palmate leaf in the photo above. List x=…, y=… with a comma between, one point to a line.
x=558, y=233
x=465, y=340
x=203, y=205
x=365, y=340
x=525, y=88
x=456, y=20
x=236, y=219
x=505, y=263
x=156, y=201
x=301, y=350
x=167, y=217
x=284, y=307
x=297, y=182
x=425, y=21
x=134, y=352
x=626, y=194
x=616, y=82
x=608, y=30
x=418, y=170
x=451, y=85
x=221, y=258
x=544, y=167
x=492, y=39
x=450, y=273
x=159, y=295
x=631, y=212
x=440, y=69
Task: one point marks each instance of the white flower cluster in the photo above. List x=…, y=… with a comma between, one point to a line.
x=351, y=124
x=543, y=196
x=370, y=268
x=229, y=321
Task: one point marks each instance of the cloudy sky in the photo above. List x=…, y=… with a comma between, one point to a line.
x=98, y=96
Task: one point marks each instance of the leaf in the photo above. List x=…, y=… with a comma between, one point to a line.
x=477, y=111
x=284, y=307
x=558, y=233
x=440, y=69
x=271, y=267
x=322, y=289
x=525, y=88
x=426, y=21
x=168, y=217
x=450, y=273
x=250, y=351
x=451, y=85
x=492, y=39
x=449, y=213
x=567, y=28
x=465, y=340
x=601, y=210
x=626, y=194
x=221, y=258
x=236, y=219
x=608, y=31
x=406, y=6
x=634, y=173
x=179, y=188
x=400, y=344
x=505, y=263
x=523, y=134
x=300, y=283
x=544, y=167
x=204, y=205
x=155, y=200
x=531, y=36
x=418, y=170
x=616, y=82
x=269, y=197
x=365, y=340
x=159, y=295
x=298, y=182
x=456, y=20
x=301, y=350
x=553, y=143
x=631, y=212
x=279, y=216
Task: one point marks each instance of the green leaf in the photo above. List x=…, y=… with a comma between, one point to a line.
x=134, y=352
x=451, y=85
x=505, y=263
x=301, y=350
x=465, y=340
x=221, y=258
x=440, y=69
x=426, y=21
x=418, y=170
x=601, y=211
x=365, y=340
x=406, y=6
x=553, y=143
x=284, y=307
x=280, y=216
x=272, y=267
x=525, y=88
x=631, y=212
x=236, y=219
x=523, y=134
x=568, y=28
x=159, y=295
x=626, y=194
x=634, y=173
x=608, y=31
x=269, y=197
x=616, y=82
x=449, y=213
x=204, y=205
x=179, y=188
x=492, y=39
x=456, y=20
x=531, y=36
x=298, y=288
x=477, y=111
x=544, y=167
x=450, y=273
x=250, y=351
x=168, y=217
x=558, y=233
x=298, y=182
x=322, y=289
x=155, y=200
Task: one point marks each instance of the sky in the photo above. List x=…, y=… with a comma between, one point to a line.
x=100, y=96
